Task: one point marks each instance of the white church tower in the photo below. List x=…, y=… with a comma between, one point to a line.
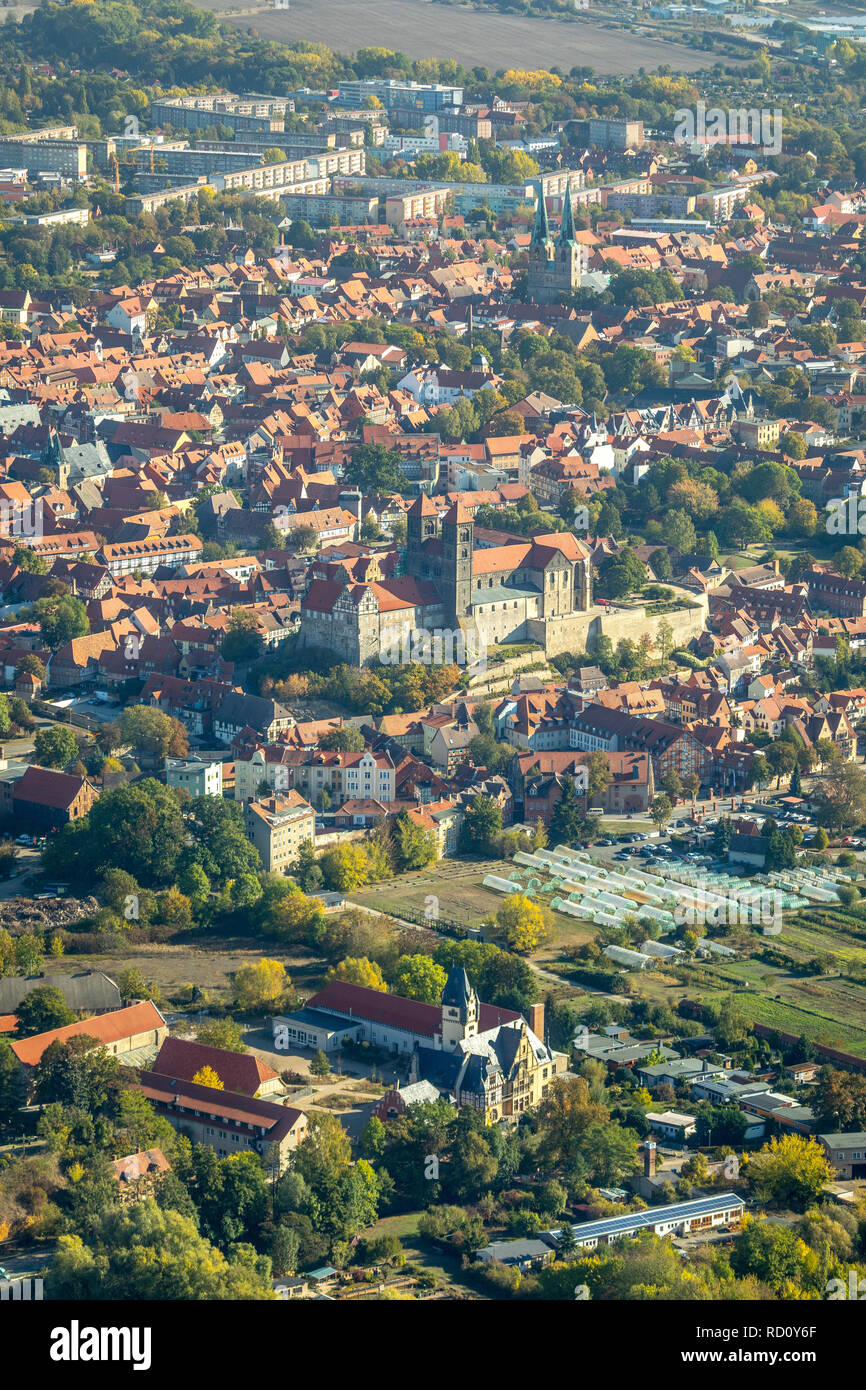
x=459, y=1010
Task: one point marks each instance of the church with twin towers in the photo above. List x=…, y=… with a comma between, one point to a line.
x=556, y=264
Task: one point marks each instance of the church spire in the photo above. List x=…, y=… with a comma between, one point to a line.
x=567, y=235
x=541, y=229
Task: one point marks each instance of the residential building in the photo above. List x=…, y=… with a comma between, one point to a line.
x=194, y=776
x=278, y=827
x=226, y=1122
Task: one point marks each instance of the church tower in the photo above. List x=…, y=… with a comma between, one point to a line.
x=459, y=1010
x=541, y=254
x=554, y=266
x=456, y=582
x=422, y=524
x=569, y=252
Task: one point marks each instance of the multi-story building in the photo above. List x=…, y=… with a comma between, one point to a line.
x=348, y=208
x=759, y=433
x=143, y=557
x=845, y=597
x=344, y=776
x=846, y=1152
x=432, y=96
x=475, y=1054
x=278, y=827
x=225, y=1121
x=194, y=776
x=671, y=749
x=65, y=157
x=611, y=134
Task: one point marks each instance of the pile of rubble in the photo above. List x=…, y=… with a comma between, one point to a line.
x=21, y=914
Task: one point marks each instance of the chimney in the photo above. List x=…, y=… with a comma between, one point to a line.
x=649, y=1159
x=536, y=1020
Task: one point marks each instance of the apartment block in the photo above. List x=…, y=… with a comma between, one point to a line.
x=66, y=157
x=278, y=827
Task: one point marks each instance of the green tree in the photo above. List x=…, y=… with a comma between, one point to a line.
x=661, y=811
x=482, y=823
x=790, y=1171
x=60, y=619
x=153, y=734
x=347, y=739
x=144, y=1253
x=55, y=747
x=41, y=1010
x=567, y=819
x=419, y=977
x=320, y=1066
x=414, y=847
x=375, y=469
x=13, y=1091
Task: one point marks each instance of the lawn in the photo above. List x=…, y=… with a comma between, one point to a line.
x=421, y=1252
x=454, y=884
x=827, y=1009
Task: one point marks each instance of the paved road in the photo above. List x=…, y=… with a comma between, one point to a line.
x=27, y=1264
x=26, y=863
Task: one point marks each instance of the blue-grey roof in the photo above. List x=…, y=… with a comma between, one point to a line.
x=320, y=1018
x=632, y=1222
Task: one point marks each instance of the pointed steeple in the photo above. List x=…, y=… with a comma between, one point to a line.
x=541, y=229
x=567, y=235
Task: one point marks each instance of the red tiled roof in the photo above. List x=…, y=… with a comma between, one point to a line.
x=278, y=1120
x=107, y=1028
x=395, y=1011
x=238, y=1071
x=44, y=787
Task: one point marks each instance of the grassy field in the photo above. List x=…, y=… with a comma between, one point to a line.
x=454, y=882
x=422, y=1252
x=425, y=30
x=828, y=1008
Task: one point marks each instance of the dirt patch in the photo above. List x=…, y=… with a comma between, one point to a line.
x=20, y=915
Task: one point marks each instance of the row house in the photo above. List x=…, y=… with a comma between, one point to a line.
x=343, y=776
x=146, y=556
x=537, y=780
x=672, y=749
x=846, y=597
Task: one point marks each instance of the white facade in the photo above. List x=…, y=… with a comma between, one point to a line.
x=196, y=777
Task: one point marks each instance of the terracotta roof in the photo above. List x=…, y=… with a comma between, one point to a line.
x=238, y=1071
x=396, y=1012
x=229, y=1107
x=44, y=787
x=107, y=1028
x=135, y=1166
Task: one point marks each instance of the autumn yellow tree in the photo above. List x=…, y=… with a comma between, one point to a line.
x=525, y=925
x=261, y=985
x=358, y=970
x=206, y=1076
